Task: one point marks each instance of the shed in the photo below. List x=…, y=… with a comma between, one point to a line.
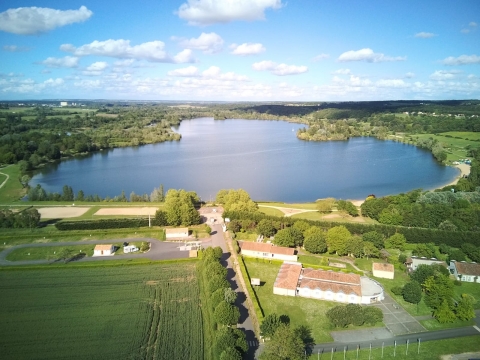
x=255, y=281
x=382, y=270
x=176, y=233
x=104, y=250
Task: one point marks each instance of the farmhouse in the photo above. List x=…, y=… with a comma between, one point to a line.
x=176, y=233
x=469, y=272
x=267, y=251
x=382, y=270
x=104, y=250
x=293, y=280
x=413, y=262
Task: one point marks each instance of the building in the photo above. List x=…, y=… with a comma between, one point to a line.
x=63, y=103
x=267, y=251
x=104, y=250
x=293, y=280
x=382, y=270
x=413, y=262
x=176, y=233
x=468, y=272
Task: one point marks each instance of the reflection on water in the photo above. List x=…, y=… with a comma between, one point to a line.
x=263, y=157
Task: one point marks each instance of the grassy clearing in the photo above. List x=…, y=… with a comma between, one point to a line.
x=468, y=288
x=12, y=190
x=427, y=351
x=305, y=206
x=457, y=148
x=270, y=211
x=113, y=312
x=433, y=324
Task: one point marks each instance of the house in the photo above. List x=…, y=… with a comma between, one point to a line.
x=413, y=262
x=104, y=250
x=469, y=272
x=293, y=280
x=382, y=270
x=129, y=249
x=267, y=251
x=176, y=233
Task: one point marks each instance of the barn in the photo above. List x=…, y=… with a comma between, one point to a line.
x=382, y=270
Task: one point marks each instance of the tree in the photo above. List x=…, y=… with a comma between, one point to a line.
x=161, y=218
x=236, y=200
x=227, y=337
x=325, y=205
x=157, y=194
x=215, y=269
x=348, y=207
x=315, y=240
x=438, y=289
x=180, y=208
x=266, y=228
x=284, y=345
x=29, y=218
x=67, y=194
x=443, y=313
x=337, y=239
x=231, y=354
x=396, y=241
x=305, y=333
x=230, y=296
x=412, y=292
x=24, y=180
x=464, y=310
x=375, y=238
x=217, y=282
x=355, y=246
x=301, y=225
x=422, y=273
x=226, y=314
x=80, y=196
x=269, y=325
x=217, y=297
x=372, y=315
x=369, y=250
x=289, y=237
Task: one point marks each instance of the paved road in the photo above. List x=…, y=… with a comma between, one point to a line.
x=245, y=322
x=159, y=250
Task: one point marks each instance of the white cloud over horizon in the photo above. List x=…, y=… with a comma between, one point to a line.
x=65, y=62
x=368, y=55
x=210, y=43
x=36, y=20
x=279, y=69
x=208, y=12
x=461, y=60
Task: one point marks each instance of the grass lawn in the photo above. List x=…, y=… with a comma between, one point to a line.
x=468, y=288
x=270, y=211
x=316, y=216
x=104, y=312
x=12, y=190
x=430, y=350
x=246, y=236
x=305, y=206
x=433, y=324
x=456, y=148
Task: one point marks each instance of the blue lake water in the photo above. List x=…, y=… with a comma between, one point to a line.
x=263, y=157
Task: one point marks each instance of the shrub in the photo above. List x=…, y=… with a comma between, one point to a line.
x=397, y=290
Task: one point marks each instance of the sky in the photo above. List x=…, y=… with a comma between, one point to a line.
x=240, y=50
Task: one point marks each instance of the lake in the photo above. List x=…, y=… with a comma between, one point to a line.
x=263, y=157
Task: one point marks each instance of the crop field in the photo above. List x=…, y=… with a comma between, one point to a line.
x=116, y=312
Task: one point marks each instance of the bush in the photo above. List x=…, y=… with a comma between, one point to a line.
x=397, y=290
x=457, y=282
x=101, y=224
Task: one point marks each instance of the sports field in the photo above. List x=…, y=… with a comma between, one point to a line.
x=113, y=312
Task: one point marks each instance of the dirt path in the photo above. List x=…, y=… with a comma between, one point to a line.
x=288, y=211
x=5, y=181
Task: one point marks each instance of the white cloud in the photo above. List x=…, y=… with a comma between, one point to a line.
x=391, y=83
x=96, y=68
x=368, y=55
x=15, y=48
x=442, y=75
x=424, y=35
x=208, y=43
x=462, y=60
x=35, y=20
x=151, y=51
x=185, y=72
x=472, y=24
x=247, y=49
x=409, y=75
x=465, y=31
x=29, y=86
x=65, y=62
x=342, y=71
x=321, y=57
x=208, y=12
x=124, y=63
x=279, y=69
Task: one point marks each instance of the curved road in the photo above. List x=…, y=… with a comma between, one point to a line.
x=159, y=250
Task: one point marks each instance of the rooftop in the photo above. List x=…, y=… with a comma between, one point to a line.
x=102, y=247
x=465, y=268
x=267, y=248
x=383, y=267
x=287, y=277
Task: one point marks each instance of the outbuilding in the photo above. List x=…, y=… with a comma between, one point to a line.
x=382, y=270
x=267, y=251
x=104, y=250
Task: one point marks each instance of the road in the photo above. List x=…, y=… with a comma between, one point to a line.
x=245, y=323
x=159, y=250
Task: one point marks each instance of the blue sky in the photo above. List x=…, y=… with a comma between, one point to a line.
x=240, y=50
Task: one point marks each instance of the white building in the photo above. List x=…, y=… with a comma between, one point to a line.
x=382, y=270
x=267, y=251
x=104, y=250
x=63, y=103
x=176, y=233
x=413, y=262
x=293, y=280
x=468, y=272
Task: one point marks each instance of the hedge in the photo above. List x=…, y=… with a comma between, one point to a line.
x=253, y=295
x=413, y=235
x=102, y=224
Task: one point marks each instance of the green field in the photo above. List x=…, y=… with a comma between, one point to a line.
x=115, y=312
x=456, y=145
x=12, y=190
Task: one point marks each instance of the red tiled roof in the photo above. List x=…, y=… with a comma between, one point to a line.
x=331, y=276
x=267, y=248
x=287, y=277
x=103, y=247
x=333, y=287
x=472, y=269
x=383, y=267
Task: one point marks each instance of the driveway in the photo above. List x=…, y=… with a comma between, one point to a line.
x=159, y=250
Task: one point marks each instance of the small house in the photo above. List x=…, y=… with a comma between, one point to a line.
x=176, y=233
x=464, y=271
x=104, y=250
x=382, y=270
x=267, y=251
x=413, y=262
